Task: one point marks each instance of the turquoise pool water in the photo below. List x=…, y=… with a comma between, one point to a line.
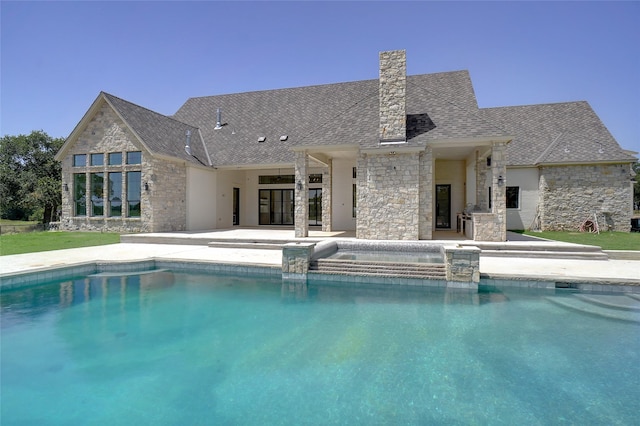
x=389, y=256
x=173, y=348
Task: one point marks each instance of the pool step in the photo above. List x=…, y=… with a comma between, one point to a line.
x=432, y=271
x=617, y=307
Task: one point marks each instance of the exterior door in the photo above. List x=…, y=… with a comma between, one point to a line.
x=443, y=206
x=315, y=206
x=276, y=207
x=236, y=206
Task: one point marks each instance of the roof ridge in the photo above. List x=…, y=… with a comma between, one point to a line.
x=536, y=105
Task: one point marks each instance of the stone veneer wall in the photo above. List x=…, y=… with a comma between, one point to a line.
x=425, y=221
x=388, y=199
x=568, y=195
x=106, y=133
x=166, y=208
x=392, y=92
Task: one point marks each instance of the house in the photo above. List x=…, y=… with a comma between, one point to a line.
x=395, y=158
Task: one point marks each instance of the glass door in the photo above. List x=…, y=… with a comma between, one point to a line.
x=315, y=206
x=443, y=206
x=276, y=206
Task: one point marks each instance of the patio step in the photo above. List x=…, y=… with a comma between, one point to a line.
x=542, y=250
x=247, y=244
x=617, y=307
x=432, y=271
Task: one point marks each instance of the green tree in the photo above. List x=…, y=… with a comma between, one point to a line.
x=30, y=177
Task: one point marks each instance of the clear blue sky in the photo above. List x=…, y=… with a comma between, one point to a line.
x=57, y=56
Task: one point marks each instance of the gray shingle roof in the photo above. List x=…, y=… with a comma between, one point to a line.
x=439, y=106
x=163, y=135
x=556, y=133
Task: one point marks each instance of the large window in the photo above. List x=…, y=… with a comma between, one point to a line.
x=133, y=194
x=513, y=197
x=115, y=194
x=97, y=189
x=80, y=194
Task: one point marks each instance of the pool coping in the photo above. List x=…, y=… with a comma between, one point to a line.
x=35, y=276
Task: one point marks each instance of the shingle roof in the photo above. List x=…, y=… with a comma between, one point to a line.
x=556, y=133
x=161, y=134
x=439, y=106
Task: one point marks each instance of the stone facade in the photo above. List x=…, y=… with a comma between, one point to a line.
x=327, y=219
x=388, y=196
x=463, y=266
x=603, y=190
x=162, y=205
x=393, y=89
x=301, y=214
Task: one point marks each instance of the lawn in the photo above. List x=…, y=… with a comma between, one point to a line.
x=32, y=242
x=606, y=240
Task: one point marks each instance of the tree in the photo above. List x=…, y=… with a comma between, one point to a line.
x=30, y=177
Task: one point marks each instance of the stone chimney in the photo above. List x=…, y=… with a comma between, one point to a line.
x=392, y=92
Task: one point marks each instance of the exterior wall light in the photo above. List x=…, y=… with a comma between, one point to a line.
x=65, y=187
x=146, y=186
x=500, y=180
x=299, y=185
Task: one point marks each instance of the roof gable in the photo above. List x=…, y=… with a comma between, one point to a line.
x=569, y=132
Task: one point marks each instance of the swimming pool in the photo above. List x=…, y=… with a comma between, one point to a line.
x=184, y=348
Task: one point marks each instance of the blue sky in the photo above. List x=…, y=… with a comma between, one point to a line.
x=57, y=56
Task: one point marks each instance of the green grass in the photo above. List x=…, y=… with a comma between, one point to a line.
x=33, y=242
x=18, y=222
x=606, y=240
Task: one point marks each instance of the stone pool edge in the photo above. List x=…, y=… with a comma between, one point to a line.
x=20, y=279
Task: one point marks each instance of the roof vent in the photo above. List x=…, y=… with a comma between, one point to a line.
x=187, y=147
x=284, y=138
x=218, y=119
x=262, y=139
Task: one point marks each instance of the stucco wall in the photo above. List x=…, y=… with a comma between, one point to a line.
x=201, y=200
x=527, y=180
x=571, y=194
x=342, y=184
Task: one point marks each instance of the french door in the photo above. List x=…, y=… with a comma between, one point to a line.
x=276, y=207
x=315, y=206
x=443, y=206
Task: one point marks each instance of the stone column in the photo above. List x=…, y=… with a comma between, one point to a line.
x=326, y=197
x=499, y=189
x=392, y=95
x=426, y=195
x=301, y=198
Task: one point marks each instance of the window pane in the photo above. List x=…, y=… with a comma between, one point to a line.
x=79, y=194
x=97, y=159
x=115, y=158
x=79, y=160
x=133, y=194
x=115, y=194
x=355, y=199
x=97, y=201
x=134, y=157
x=513, y=197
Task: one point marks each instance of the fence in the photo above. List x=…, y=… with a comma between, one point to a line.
x=16, y=229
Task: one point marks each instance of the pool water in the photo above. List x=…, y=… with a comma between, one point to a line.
x=389, y=256
x=174, y=348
